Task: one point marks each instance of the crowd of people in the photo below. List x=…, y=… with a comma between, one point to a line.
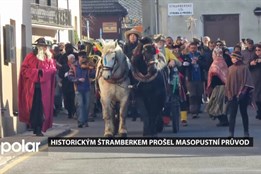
x=228, y=79
x=200, y=72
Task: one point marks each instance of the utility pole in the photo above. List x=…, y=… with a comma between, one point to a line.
x=88, y=29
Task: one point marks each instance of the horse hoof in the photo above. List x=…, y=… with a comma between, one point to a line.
x=123, y=135
x=108, y=135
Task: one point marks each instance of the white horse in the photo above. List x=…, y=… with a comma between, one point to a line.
x=113, y=81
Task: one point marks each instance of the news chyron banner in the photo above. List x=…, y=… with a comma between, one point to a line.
x=143, y=142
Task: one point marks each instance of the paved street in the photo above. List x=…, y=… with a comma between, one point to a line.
x=149, y=159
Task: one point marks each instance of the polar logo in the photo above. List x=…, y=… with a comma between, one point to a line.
x=6, y=147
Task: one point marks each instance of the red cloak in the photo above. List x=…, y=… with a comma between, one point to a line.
x=28, y=77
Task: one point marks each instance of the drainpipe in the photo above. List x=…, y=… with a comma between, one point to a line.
x=157, y=15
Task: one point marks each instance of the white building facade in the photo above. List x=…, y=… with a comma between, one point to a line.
x=56, y=20
x=15, y=42
x=21, y=23
x=230, y=20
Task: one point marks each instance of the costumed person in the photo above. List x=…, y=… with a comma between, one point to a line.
x=172, y=106
x=217, y=77
x=58, y=99
x=132, y=39
x=36, y=88
x=94, y=49
x=239, y=87
x=255, y=69
x=183, y=58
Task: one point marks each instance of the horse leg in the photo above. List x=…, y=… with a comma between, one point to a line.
x=155, y=113
x=122, y=116
x=115, y=118
x=107, y=117
x=144, y=115
x=153, y=122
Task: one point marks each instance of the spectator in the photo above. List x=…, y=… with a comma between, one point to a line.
x=237, y=48
x=255, y=69
x=249, y=53
x=195, y=68
x=169, y=43
x=69, y=49
x=238, y=88
x=206, y=41
x=178, y=41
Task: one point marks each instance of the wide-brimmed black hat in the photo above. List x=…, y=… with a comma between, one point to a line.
x=41, y=42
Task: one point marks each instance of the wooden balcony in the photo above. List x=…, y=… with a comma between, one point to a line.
x=50, y=16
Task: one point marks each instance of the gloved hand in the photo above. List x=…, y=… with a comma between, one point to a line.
x=228, y=100
x=186, y=63
x=40, y=72
x=241, y=97
x=66, y=74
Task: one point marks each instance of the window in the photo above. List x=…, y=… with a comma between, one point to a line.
x=49, y=2
x=37, y=1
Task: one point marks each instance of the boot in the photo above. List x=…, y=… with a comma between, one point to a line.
x=184, y=118
x=38, y=132
x=246, y=134
x=231, y=135
x=223, y=121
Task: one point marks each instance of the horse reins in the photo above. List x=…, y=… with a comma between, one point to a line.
x=118, y=80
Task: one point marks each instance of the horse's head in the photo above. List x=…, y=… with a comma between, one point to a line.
x=110, y=56
x=149, y=55
x=145, y=57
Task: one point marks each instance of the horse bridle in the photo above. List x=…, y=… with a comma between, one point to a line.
x=106, y=68
x=151, y=62
x=113, y=69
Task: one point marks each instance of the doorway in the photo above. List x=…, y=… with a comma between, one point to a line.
x=223, y=27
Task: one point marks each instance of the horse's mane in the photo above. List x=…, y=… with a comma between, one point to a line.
x=111, y=46
x=139, y=67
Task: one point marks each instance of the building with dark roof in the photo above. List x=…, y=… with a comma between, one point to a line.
x=105, y=18
x=134, y=8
